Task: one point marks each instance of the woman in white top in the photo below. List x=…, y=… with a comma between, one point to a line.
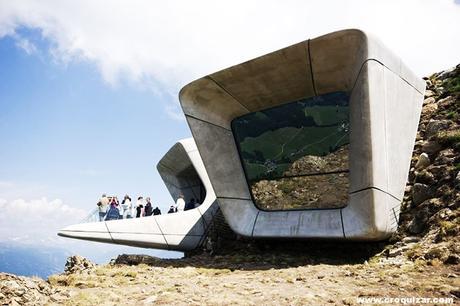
x=126, y=207
x=180, y=203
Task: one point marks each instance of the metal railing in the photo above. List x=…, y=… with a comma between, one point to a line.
x=93, y=216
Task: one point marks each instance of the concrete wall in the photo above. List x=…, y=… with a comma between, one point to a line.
x=385, y=104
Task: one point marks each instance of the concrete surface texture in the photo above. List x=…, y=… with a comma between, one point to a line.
x=385, y=100
x=183, y=172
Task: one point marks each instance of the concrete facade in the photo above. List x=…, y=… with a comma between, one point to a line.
x=385, y=105
x=183, y=172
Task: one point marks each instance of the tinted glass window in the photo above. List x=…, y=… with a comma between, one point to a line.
x=295, y=156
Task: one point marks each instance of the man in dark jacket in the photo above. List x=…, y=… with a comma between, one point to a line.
x=156, y=211
x=148, y=208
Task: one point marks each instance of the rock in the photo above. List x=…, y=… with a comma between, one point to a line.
x=416, y=226
x=410, y=239
x=128, y=259
x=441, y=253
x=77, y=263
x=446, y=156
x=420, y=193
x=429, y=93
x=422, y=162
x=452, y=259
x=19, y=290
x=434, y=126
x=446, y=102
x=429, y=101
x=440, y=172
x=424, y=177
x=429, y=109
x=431, y=147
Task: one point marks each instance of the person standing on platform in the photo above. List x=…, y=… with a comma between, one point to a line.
x=138, y=208
x=103, y=206
x=127, y=207
x=180, y=203
x=148, y=208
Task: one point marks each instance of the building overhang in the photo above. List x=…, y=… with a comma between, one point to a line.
x=385, y=104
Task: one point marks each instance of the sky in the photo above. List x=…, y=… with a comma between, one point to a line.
x=88, y=89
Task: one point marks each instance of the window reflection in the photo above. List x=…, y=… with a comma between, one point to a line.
x=296, y=155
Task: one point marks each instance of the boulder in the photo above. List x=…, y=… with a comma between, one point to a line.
x=424, y=177
x=420, y=193
x=431, y=147
x=429, y=93
x=422, y=162
x=429, y=100
x=430, y=109
x=445, y=157
x=132, y=260
x=446, y=102
x=435, y=126
x=417, y=225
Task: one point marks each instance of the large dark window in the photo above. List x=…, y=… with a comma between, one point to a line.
x=295, y=156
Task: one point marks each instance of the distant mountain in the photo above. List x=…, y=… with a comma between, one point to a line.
x=27, y=260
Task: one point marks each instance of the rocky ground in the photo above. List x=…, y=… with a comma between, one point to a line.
x=421, y=260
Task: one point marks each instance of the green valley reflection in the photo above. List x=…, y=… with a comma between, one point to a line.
x=295, y=156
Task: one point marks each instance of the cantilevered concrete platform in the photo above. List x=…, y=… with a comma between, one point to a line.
x=183, y=172
x=383, y=100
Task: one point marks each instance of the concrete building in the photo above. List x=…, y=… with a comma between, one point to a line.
x=310, y=141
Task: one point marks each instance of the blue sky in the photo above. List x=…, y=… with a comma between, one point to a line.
x=68, y=135
x=88, y=89
x=64, y=127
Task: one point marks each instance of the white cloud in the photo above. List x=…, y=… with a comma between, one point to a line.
x=6, y=184
x=25, y=45
x=165, y=45
x=35, y=220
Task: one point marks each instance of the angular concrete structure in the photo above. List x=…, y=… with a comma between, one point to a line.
x=273, y=128
x=183, y=172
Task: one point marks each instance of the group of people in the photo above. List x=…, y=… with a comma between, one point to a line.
x=110, y=208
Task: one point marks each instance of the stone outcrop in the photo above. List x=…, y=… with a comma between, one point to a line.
x=78, y=264
x=431, y=205
x=18, y=290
